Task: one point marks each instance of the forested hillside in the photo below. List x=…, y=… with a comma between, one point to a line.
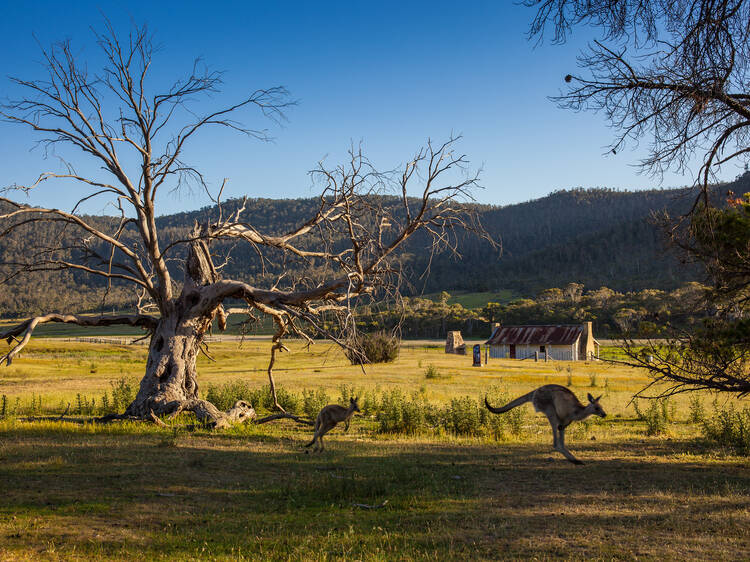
x=597, y=237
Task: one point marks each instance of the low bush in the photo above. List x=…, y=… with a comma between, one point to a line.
x=399, y=414
x=513, y=420
x=729, y=428
x=696, y=413
x=123, y=393
x=313, y=402
x=656, y=416
x=377, y=347
x=369, y=402
x=225, y=395
x=431, y=372
x=463, y=416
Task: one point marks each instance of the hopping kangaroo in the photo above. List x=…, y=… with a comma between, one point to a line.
x=329, y=417
x=560, y=406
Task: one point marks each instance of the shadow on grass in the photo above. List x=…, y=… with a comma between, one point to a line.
x=110, y=496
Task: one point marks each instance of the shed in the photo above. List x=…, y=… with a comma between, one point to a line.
x=562, y=342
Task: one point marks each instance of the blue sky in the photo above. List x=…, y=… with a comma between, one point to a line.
x=388, y=74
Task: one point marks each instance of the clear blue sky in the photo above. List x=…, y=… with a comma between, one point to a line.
x=389, y=74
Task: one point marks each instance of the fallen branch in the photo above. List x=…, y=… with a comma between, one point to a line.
x=153, y=418
x=156, y=420
x=65, y=412
x=365, y=506
x=285, y=415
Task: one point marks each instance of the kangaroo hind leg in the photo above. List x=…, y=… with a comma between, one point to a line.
x=567, y=454
x=554, y=423
x=315, y=441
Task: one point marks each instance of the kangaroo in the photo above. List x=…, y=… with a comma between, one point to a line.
x=560, y=406
x=329, y=417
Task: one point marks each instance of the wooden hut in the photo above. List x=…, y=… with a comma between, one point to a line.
x=561, y=342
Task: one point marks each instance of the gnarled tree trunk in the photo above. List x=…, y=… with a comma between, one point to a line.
x=170, y=384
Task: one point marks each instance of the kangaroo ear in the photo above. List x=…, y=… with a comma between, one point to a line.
x=591, y=398
x=598, y=397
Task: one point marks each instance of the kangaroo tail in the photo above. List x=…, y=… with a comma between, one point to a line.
x=311, y=442
x=510, y=405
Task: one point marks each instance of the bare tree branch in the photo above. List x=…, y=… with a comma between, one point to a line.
x=25, y=329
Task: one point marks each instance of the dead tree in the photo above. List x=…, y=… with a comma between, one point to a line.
x=350, y=245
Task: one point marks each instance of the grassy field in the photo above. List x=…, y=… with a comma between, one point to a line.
x=129, y=491
x=475, y=300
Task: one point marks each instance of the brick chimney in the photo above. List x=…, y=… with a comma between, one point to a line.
x=588, y=349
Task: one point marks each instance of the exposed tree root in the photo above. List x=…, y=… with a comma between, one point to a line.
x=207, y=414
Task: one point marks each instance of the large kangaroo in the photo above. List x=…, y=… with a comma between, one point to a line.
x=329, y=417
x=560, y=406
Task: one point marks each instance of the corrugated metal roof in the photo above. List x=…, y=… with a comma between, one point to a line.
x=562, y=334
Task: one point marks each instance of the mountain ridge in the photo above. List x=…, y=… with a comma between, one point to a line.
x=597, y=237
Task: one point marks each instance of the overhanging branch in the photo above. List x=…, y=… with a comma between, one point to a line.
x=25, y=329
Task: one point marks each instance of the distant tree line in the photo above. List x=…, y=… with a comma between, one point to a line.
x=646, y=313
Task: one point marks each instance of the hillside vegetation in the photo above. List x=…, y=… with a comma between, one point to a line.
x=597, y=237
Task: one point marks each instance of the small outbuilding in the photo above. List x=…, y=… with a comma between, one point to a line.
x=454, y=343
x=561, y=342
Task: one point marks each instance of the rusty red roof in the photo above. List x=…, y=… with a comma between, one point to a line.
x=561, y=334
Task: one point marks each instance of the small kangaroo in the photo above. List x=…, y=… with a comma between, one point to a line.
x=560, y=406
x=329, y=417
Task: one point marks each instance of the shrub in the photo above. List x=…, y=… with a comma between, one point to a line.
x=398, y=414
x=431, y=372
x=84, y=406
x=512, y=419
x=378, y=347
x=313, y=402
x=225, y=395
x=463, y=417
x=370, y=403
x=261, y=398
x=290, y=401
x=656, y=416
x=105, y=407
x=729, y=428
x=697, y=413
x=123, y=394
x=348, y=391
x=36, y=404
